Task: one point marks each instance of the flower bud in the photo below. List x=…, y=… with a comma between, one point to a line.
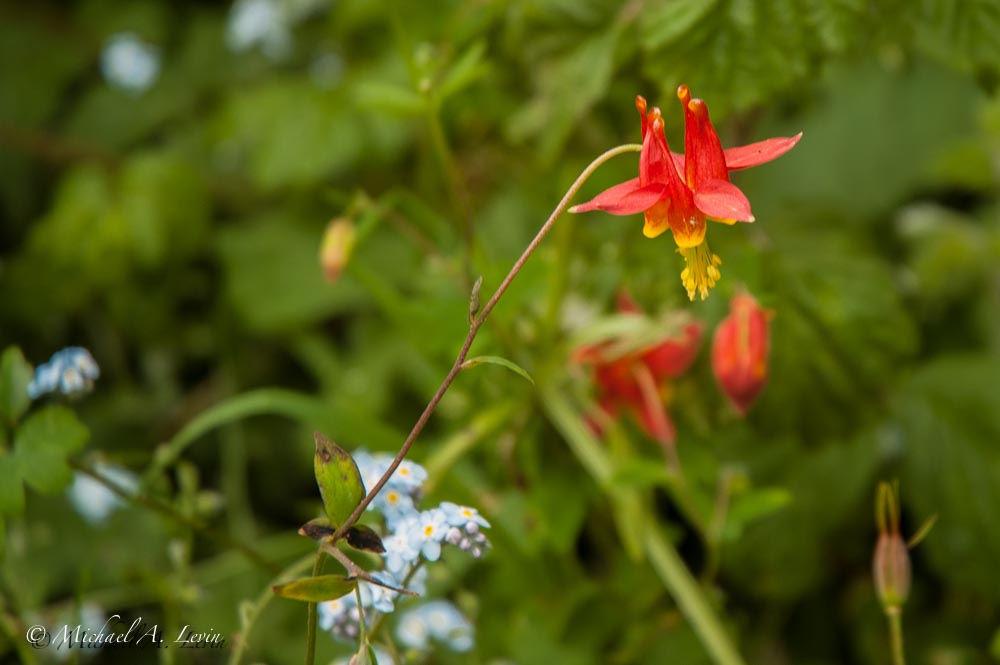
x=337, y=248
x=740, y=349
x=891, y=567
x=891, y=563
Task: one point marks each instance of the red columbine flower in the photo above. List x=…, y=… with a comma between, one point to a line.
x=740, y=349
x=680, y=192
x=634, y=379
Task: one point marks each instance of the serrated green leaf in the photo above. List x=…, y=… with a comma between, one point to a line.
x=338, y=479
x=316, y=589
x=497, y=360
x=42, y=444
x=15, y=375
x=11, y=489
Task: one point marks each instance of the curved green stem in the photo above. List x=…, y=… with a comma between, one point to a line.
x=256, y=608
x=685, y=590
x=311, y=615
x=474, y=330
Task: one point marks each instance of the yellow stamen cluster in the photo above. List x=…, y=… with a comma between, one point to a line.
x=702, y=271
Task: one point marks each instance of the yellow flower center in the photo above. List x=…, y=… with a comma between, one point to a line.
x=392, y=498
x=702, y=270
x=429, y=530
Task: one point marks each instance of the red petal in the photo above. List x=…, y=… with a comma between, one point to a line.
x=674, y=356
x=722, y=200
x=678, y=161
x=760, y=152
x=626, y=304
x=702, y=149
x=627, y=198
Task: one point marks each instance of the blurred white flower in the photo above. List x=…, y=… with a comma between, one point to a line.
x=438, y=620
x=93, y=500
x=259, y=22
x=129, y=63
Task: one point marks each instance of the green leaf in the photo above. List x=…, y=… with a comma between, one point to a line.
x=338, y=478
x=753, y=505
x=949, y=418
x=42, y=444
x=641, y=473
x=465, y=71
x=273, y=275
x=390, y=98
x=497, y=360
x=666, y=22
x=316, y=589
x=15, y=375
x=11, y=489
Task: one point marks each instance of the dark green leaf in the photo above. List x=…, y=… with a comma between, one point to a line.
x=15, y=375
x=43, y=443
x=11, y=489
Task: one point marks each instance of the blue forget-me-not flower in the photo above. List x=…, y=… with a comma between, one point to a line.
x=70, y=371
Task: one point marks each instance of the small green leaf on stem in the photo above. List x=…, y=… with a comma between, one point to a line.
x=497, y=360
x=317, y=589
x=922, y=532
x=338, y=478
x=474, y=300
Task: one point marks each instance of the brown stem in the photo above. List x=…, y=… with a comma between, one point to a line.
x=474, y=330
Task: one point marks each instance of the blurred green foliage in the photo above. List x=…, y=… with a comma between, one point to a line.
x=175, y=233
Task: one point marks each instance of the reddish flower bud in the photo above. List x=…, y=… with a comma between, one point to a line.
x=891, y=567
x=891, y=563
x=740, y=349
x=337, y=247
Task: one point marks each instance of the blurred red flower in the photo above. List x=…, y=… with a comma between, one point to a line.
x=635, y=379
x=740, y=349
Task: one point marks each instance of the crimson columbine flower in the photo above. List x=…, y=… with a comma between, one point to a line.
x=634, y=379
x=680, y=192
x=739, y=351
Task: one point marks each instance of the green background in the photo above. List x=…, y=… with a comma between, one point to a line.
x=175, y=233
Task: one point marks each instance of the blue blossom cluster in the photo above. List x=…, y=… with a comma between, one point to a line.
x=70, y=371
x=412, y=536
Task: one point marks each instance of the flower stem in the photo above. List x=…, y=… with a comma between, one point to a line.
x=474, y=330
x=895, y=616
x=690, y=599
x=311, y=615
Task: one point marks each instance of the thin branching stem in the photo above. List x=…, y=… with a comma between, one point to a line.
x=474, y=330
